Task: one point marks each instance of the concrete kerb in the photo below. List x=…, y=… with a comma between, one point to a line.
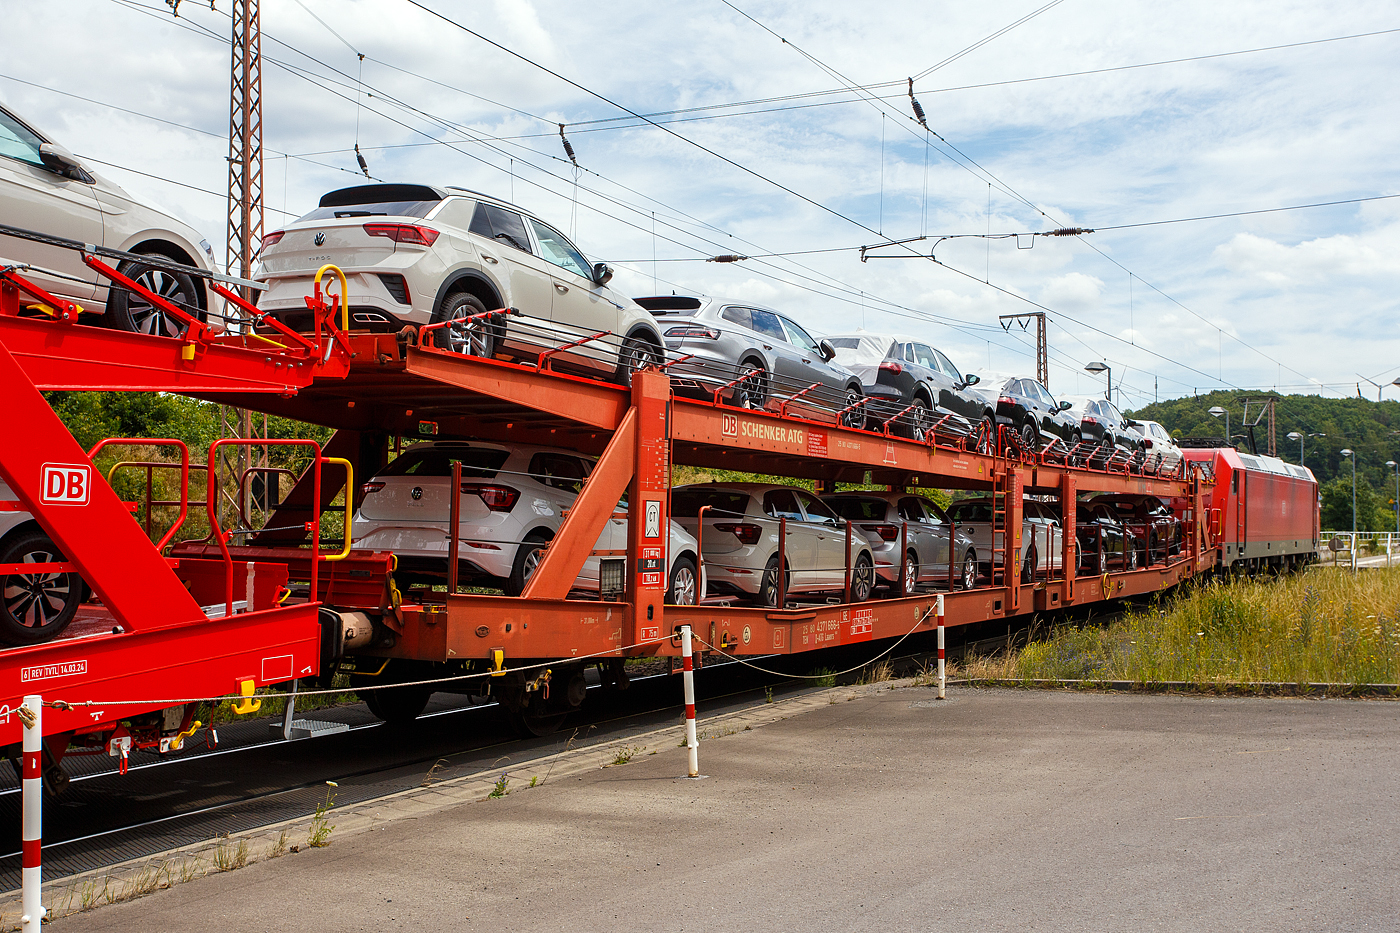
x=1267, y=688
x=136, y=877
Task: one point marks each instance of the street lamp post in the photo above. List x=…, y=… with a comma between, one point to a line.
x=1218, y=412
x=1296, y=436
x=1396, y=467
x=1350, y=454
x=1098, y=367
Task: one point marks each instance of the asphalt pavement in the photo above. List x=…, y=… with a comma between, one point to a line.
x=880, y=809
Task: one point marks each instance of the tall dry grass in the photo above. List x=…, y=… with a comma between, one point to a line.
x=1323, y=626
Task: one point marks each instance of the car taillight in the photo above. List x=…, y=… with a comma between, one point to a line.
x=746, y=533
x=890, y=366
x=368, y=488
x=693, y=330
x=888, y=532
x=404, y=233
x=497, y=498
x=1090, y=419
x=270, y=239
x=1146, y=442
x=1006, y=400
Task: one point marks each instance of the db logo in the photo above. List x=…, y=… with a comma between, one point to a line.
x=66, y=484
x=729, y=426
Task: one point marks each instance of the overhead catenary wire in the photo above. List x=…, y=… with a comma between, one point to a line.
x=751, y=172
x=1063, y=231
x=596, y=125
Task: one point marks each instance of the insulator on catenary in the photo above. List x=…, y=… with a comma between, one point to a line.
x=918, y=111
x=1067, y=231
x=568, y=148
x=727, y=257
x=364, y=166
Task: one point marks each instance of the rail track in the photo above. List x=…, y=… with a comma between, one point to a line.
x=103, y=818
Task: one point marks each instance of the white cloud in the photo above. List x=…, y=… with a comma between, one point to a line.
x=1229, y=134
x=1074, y=291
x=1312, y=260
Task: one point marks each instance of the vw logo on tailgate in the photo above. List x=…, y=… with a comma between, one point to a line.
x=416, y=493
x=321, y=239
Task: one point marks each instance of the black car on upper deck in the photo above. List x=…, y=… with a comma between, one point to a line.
x=901, y=373
x=1028, y=408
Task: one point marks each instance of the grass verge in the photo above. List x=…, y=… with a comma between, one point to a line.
x=1323, y=626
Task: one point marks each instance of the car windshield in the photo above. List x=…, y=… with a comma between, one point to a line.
x=948, y=366
x=858, y=508
x=373, y=209
x=477, y=462
x=723, y=503
x=980, y=511
x=558, y=250
x=799, y=337
x=17, y=142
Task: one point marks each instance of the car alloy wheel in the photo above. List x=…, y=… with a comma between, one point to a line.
x=36, y=606
x=637, y=353
x=918, y=419
x=684, y=587
x=752, y=393
x=132, y=312
x=854, y=417
x=469, y=338
x=911, y=572
x=1028, y=436
x=862, y=579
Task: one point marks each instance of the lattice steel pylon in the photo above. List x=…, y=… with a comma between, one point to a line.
x=1042, y=354
x=245, y=214
x=245, y=155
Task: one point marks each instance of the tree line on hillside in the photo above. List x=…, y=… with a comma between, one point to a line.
x=1370, y=429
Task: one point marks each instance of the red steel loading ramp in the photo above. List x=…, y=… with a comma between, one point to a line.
x=162, y=645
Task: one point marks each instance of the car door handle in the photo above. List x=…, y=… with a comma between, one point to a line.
x=561, y=289
x=766, y=347
x=491, y=259
x=807, y=362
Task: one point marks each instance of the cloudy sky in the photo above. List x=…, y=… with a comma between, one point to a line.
x=799, y=152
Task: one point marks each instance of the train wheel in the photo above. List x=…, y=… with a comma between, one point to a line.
x=532, y=722
x=397, y=705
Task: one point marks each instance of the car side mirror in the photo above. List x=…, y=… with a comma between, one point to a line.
x=971, y=379
x=828, y=351
x=62, y=162
x=1065, y=406
x=602, y=273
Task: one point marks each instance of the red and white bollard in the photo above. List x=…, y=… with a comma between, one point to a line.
x=688, y=678
x=32, y=802
x=942, y=674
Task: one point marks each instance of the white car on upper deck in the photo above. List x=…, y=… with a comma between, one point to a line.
x=415, y=254
x=46, y=189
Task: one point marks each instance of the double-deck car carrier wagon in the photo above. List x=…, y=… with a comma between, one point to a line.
x=247, y=608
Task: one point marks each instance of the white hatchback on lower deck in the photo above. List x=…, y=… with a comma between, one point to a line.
x=513, y=500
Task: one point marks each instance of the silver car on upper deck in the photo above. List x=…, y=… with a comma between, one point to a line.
x=727, y=338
